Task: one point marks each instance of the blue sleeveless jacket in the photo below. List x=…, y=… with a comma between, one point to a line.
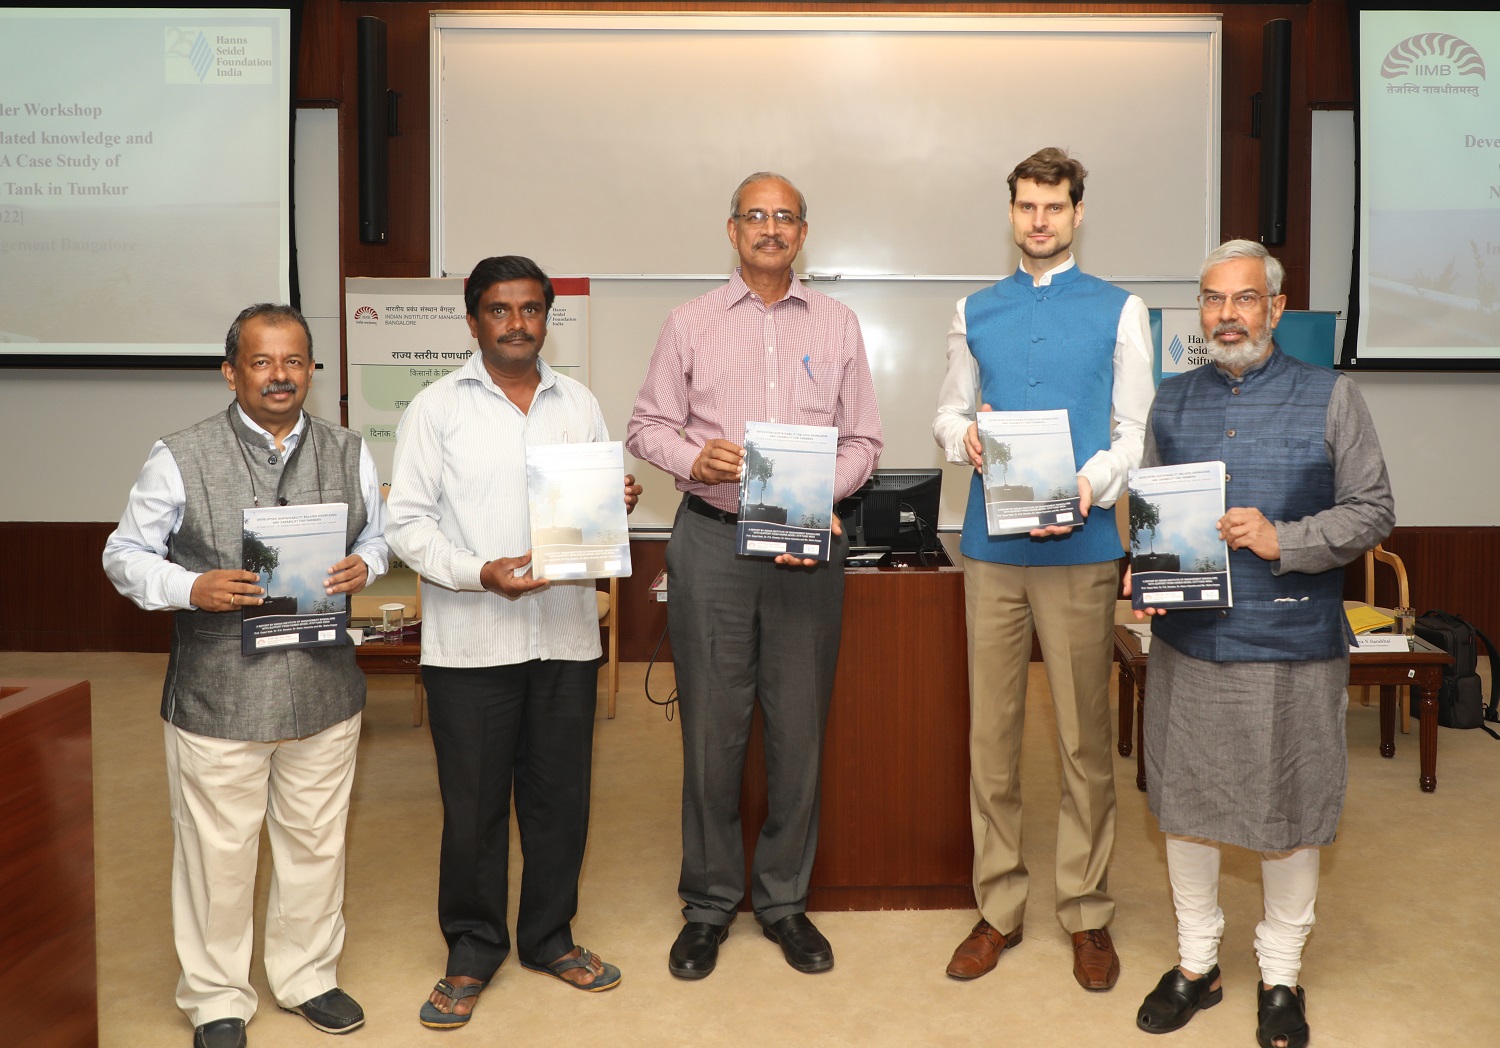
x=1268, y=427
x=1041, y=349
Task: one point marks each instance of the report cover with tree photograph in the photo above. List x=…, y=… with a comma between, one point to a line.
x=786, y=490
x=1030, y=479
x=1174, y=515
x=291, y=548
x=576, y=496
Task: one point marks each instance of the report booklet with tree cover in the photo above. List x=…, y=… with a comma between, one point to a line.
x=576, y=495
x=1030, y=478
x=1177, y=559
x=291, y=548
x=786, y=490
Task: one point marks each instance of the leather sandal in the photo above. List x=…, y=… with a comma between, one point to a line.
x=1281, y=1012
x=438, y=1020
x=606, y=979
x=1177, y=999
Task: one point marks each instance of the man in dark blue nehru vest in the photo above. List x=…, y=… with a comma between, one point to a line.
x=1245, y=706
x=267, y=738
x=1047, y=337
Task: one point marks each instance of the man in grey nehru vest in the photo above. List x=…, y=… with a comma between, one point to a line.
x=267, y=738
x=1245, y=706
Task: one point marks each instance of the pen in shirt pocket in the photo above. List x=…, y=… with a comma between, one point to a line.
x=807, y=365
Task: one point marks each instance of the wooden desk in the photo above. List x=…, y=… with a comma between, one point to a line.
x=1421, y=668
x=894, y=828
x=376, y=656
x=48, y=976
x=398, y=657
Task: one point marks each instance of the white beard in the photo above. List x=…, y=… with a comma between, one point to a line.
x=1239, y=356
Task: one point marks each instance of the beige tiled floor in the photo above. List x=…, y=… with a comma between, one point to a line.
x=1404, y=952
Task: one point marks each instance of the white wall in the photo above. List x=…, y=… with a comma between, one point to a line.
x=74, y=440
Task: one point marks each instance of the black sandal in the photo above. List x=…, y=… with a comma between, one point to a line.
x=1281, y=1012
x=1177, y=999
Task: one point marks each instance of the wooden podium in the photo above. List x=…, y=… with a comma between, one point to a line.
x=48, y=978
x=894, y=830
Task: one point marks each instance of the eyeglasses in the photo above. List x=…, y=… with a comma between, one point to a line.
x=1244, y=301
x=756, y=217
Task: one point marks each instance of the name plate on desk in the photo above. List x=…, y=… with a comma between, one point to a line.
x=1381, y=642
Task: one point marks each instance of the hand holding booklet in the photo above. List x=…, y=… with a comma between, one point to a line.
x=1177, y=559
x=576, y=495
x=291, y=548
x=786, y=491
x=1030, y=479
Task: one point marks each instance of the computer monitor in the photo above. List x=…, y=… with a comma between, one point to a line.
x=895, y=509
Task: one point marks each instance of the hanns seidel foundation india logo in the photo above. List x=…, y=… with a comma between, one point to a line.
x=1433, y=63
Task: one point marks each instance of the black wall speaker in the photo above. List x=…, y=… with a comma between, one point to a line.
x=374, y=129
x=1275, y=137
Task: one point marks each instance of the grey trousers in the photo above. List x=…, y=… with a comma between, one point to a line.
x=744, y=628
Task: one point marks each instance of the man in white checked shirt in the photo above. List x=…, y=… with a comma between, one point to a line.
x=509, y=661
x=763, y=347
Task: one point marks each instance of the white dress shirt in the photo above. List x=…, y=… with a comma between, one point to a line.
x=1107, y=471
x=135, y=555
x=458, y=500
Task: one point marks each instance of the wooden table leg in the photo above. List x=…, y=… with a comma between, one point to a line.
x=1387, y=721
x=1126, y=694
x=1140, y=734
x=1428, y=729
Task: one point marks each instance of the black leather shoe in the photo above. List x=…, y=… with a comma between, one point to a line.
x=1177, y=999
x=696, y=950
x=221, y=1033
x=801, y=943
x=1281, y=1012
x=332, y=1012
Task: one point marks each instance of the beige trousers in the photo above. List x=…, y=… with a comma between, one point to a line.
x=1071, y=608
x=221, y=792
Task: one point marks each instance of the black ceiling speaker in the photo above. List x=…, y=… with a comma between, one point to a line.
x=1275, y=124
x=374, y=130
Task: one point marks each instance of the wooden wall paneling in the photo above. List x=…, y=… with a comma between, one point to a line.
x=643, y=619
x=406, y=251
x=57, y=597
x=1240, y=158
x=1330, y=66
x=318, y=60
x=1455, y=570
x=47, y=865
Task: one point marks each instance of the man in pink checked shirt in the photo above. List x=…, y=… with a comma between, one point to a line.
x=761, y=348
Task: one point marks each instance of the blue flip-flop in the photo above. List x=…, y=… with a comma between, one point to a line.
x=607, y=979
x=431, y=1017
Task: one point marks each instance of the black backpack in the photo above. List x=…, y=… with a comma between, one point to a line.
x=1460, y=699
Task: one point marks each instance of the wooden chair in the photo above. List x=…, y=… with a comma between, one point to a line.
x=1403, y=600
x=609, y=614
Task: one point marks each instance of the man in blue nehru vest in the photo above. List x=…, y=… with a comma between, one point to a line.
x=1245, y=706
x=1047, y=337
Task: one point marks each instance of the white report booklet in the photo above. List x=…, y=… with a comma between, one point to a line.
x=1030, y=480
x=576, y=496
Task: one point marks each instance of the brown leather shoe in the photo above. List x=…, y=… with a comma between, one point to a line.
x=980, y=952
x=1096, y=966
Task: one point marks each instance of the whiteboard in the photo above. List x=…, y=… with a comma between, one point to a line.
x=607, y=146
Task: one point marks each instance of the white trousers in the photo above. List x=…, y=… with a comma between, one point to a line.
x=1289, y=882
x=221, y=792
